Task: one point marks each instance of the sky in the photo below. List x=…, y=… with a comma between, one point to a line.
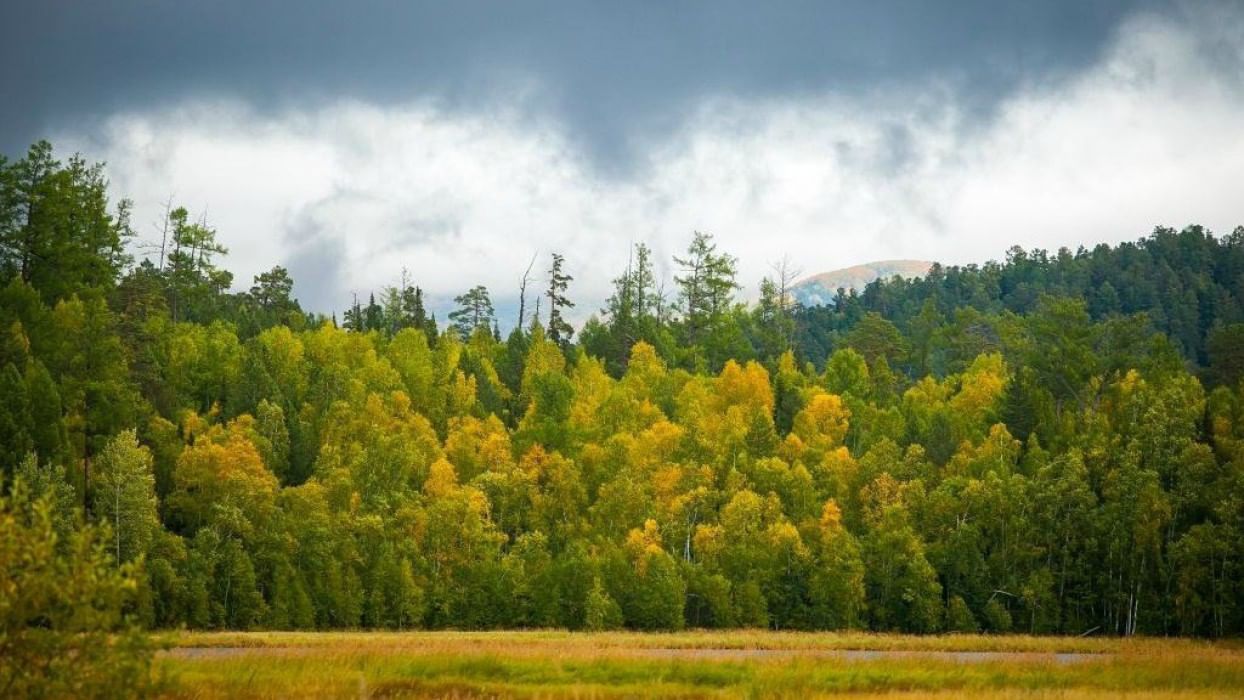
x=457, y=141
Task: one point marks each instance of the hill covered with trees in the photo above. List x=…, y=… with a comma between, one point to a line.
x=1050, y=444
x=820, y=289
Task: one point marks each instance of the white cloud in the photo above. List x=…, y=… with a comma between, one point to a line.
x=348, y=194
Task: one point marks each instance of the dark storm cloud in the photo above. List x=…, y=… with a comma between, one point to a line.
x=352, y=141
x=612, y=72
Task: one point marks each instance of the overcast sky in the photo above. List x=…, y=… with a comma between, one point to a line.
x=349, y=140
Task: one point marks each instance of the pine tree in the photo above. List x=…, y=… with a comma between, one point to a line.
x=474, y=311
x=272, y=293
x=559, y=330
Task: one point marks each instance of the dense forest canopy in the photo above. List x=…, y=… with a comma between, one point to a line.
x=1053, y=444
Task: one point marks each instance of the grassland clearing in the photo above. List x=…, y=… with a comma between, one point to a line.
x=553, y=664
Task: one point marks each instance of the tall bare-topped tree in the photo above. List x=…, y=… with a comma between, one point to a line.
x=535, y=317
x=777, y=303
x=522, y=292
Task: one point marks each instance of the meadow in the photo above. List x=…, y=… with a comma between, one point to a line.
x=551, y=664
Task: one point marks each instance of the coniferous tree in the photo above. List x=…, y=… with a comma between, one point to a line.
x=559, y=330
x=706, y=301
x=353, y=318
x=474, y=311
x=373, y=315
x=56, y=232
x=415, y=314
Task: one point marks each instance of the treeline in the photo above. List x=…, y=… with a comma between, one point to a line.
x=1002, y=448
x=1188, y=284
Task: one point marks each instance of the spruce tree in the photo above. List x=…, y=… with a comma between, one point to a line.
x=559, y=330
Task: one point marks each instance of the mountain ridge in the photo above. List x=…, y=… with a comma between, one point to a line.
x=820, y=289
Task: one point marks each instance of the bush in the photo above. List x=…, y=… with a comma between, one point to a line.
x=997, y=617
x=63, y=627
x=959, y=617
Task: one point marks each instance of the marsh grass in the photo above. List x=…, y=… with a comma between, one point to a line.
x=552, y=664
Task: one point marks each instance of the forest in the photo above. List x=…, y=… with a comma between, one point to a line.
x=1053, y=444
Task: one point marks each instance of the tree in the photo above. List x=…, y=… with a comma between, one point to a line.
x=410, y=311
x=56, y=233
x=706, y=287
x=16, y=428
x=47, y=426
x=875, y=338
x=903, y=592
x=822, y=424
x=194, y=282
x=377, y=453
x=774, y=310
x=124, y=496
x=632, y=301
x=959, y=617
x=1062, y=352
x=353, y=317
x=474, y=311
x=1019, y=445
x=846, y=372
x=559, y=330
x=221, y=483
x=643, y=285
x=89, y=360
x=602, y=612
x=274, y=443
x=1226, y=354
x=645, y=582
x=522, y=294
x=1209, y=562
x=223, y=579
x=837, y=586
x=373, y=315
x=272, y=294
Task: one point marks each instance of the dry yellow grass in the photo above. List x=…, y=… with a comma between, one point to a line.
x=555, y=664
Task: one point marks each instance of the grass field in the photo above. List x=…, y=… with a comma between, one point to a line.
x=692, y=664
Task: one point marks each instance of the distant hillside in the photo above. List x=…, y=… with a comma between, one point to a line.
x=820, y=289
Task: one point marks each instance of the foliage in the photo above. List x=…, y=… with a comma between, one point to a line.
x=1054, y=444
x=64, y=631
